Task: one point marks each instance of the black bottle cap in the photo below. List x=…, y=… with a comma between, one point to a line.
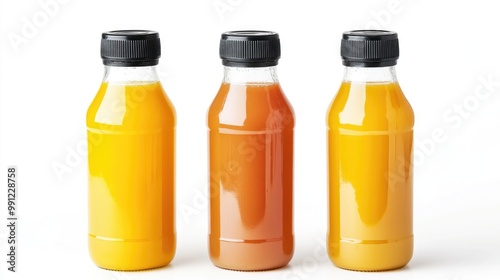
x=250, y=48
x=130, y=48
x=369, y=48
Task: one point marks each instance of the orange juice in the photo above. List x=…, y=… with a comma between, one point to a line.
x=370, y=144
x=131, y=144
x=250, y=157
x=370, y=177
x=131, y=177
x=251, y=165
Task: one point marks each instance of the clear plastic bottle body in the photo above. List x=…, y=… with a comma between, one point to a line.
x=250, y=171
x=370, y=154
x=131, y=140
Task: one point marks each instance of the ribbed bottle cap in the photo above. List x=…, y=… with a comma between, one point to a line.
x=369, y=48
x=130, y=48
x=250, y=48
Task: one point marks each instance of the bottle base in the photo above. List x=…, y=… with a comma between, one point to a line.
x=251, y=255
x=131, y=255
x=250, y=270
x=370, y=270
x=371, y=257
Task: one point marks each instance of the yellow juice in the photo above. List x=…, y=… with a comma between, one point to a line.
x=131, y=177
x=370, y=141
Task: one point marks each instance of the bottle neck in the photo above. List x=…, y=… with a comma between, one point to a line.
x=250, y=75
x=127, y=75
x=370, y=74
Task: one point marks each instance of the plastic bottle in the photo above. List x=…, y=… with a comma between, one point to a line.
x=251, y=157
x=370, y=151
x=131, y=135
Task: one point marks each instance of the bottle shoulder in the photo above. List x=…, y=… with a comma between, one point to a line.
x=370, y=107
x=131, y=106
x=248, y=107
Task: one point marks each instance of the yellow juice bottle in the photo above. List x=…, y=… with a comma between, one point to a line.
x=131, y=141
x=370, y=153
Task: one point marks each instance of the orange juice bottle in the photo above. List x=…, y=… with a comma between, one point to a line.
x=131, y=135
x=370, y=153
x=251, y=157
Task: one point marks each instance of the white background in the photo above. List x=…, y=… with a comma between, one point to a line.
x=49, y=77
